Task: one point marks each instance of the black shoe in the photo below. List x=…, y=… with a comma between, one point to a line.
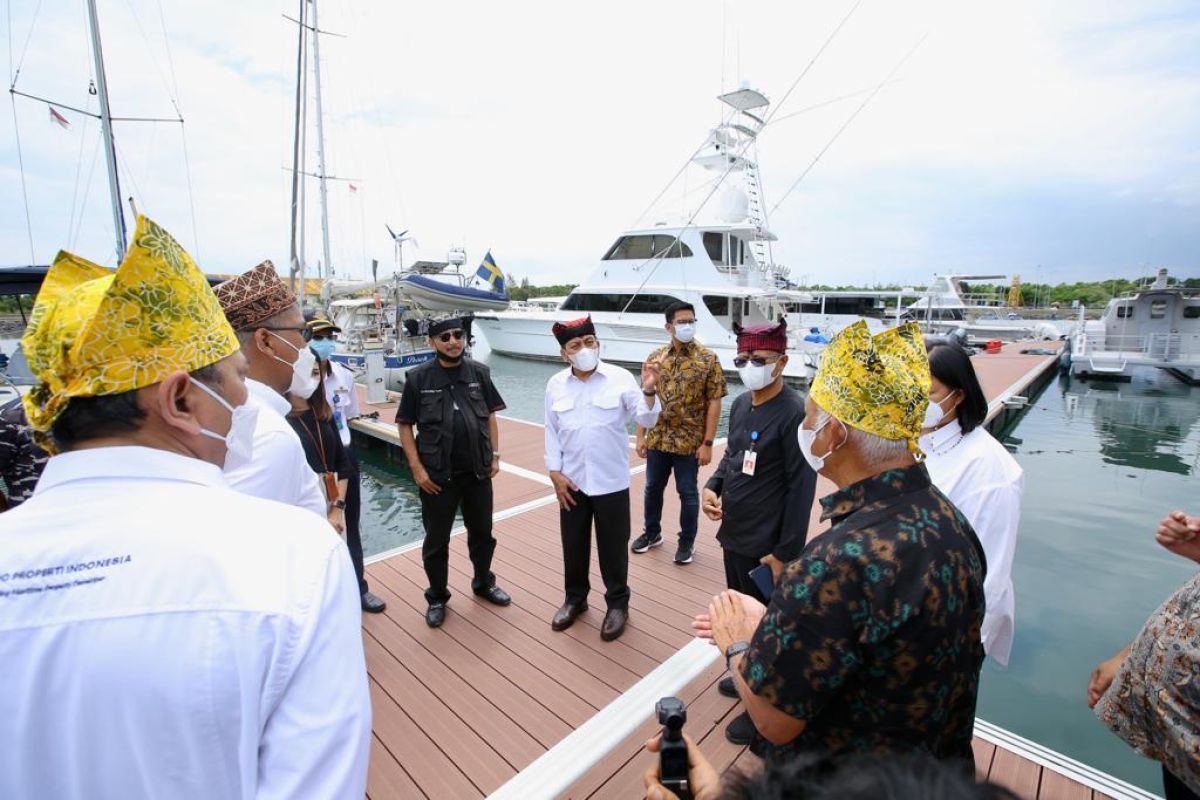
x=614, y=624
x=436, y=615
x=644, y=542
x=494, y=594
x=727, y=688
x=565, y=616
x=683, y=555
x=741, y=729
x=372, y=604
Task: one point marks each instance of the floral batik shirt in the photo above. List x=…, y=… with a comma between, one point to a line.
x=1154, y=701
x=872, y=636
x=691, y=376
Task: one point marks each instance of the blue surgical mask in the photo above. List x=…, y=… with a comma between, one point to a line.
x=323, y=348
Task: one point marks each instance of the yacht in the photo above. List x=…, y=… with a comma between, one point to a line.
x=718, y=259
x=1156, y=327
x=949, y=304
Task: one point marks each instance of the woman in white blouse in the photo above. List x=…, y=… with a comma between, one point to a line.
x=980, y=478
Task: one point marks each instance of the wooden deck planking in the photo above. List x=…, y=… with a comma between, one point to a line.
x=465, y=642
x=460, y=709
x=421, y=758
x=386, y=777
x=452, y=666
x=984, y=753
x=1020, y=775
x=1059, y=787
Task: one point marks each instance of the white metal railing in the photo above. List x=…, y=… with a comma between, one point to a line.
x=1158, y=346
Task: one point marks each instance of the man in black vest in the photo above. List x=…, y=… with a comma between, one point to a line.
x=454, y=457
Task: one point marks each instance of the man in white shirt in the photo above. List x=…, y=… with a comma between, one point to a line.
x=163, y=636
x=263, y=311
x=588, y=409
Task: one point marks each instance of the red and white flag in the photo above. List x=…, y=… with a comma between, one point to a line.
x=59, y=119
x=353, y=188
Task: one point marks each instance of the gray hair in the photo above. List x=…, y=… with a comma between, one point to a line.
x=872, y=449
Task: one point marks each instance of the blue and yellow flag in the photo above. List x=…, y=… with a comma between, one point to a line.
x=491, y=273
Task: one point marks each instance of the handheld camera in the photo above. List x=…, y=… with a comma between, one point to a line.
x=672, y=754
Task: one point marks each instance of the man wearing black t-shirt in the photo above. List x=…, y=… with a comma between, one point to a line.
x=453, y=457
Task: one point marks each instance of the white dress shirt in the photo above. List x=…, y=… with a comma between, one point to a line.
x=586, y=426
x=985, y=482
x=278, y=469
x=343, y=398
x=163, y=636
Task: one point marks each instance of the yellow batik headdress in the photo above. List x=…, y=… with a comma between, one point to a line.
x=96, y=331
x=878, y=384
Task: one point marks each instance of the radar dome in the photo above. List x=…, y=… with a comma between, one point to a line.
x=735, y=205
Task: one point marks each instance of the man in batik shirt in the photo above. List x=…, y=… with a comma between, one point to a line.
x=871, y=641
x=690, y=387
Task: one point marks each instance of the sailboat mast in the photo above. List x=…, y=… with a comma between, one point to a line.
x=110, y=145
x=295, y=262
x=321, y=141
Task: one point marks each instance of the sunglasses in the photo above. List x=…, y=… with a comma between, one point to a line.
x=756, y=361
x=445, y=337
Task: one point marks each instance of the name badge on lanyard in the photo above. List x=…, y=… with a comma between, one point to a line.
x=750, y=459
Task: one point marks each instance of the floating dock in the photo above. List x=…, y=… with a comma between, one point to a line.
x=496, y=704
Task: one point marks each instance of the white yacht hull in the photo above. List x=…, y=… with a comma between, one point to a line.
x=627, y=342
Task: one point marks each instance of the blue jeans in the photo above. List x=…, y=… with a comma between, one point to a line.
x=658, y=471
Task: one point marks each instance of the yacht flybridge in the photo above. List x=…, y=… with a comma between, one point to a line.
x=718, y=259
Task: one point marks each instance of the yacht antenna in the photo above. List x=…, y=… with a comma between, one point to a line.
x=321, y=143
x=110, y=145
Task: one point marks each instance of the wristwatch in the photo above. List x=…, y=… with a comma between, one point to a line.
x=733, y=650
x=338, y=504
x=708, y=442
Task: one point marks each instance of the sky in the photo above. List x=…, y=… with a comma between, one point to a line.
x=1058, y=141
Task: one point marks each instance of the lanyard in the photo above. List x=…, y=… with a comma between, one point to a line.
x=318, y=440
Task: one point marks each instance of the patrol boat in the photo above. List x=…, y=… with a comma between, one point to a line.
x=1156, y=327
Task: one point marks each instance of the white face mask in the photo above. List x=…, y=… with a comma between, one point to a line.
x=685, y=332
x=934, y=413
x=756, y=377
x=807, y=438
x=239, y=441
x=586, y=360
x=304, y=383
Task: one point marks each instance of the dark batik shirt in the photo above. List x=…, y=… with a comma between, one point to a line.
x=873, y=635
x=21, y=461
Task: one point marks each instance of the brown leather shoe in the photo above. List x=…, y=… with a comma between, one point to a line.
x=614, y=624
x=565, y=616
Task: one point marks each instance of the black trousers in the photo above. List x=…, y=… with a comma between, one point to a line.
x=610, y=512
x=737, y=574
x=474, y=497
x=353, y=514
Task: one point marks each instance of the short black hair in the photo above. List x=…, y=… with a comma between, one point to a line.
x=861, y=777
x=951, y=365
x=676, y=307
x=88, y=418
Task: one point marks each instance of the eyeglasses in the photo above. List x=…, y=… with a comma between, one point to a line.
x=578, y=344
x=300, y=329
x=445, y=337
x=757, y=361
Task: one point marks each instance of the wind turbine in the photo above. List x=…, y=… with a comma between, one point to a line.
x=400, y=238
